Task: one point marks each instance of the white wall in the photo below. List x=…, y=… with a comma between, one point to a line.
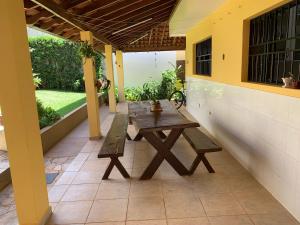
x=144, y=66
x=261, y=130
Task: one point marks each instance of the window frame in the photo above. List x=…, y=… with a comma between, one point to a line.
x=206, y=71
x=274, y=45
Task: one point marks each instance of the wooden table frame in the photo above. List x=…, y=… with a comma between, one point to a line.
x=153, y=133
x=163, y=152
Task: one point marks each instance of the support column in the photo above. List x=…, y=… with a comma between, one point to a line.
x=20, y=118
x=110, y=76
x=120, y=71
x=91, y=90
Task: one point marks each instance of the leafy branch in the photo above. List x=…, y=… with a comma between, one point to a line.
x=86, y=50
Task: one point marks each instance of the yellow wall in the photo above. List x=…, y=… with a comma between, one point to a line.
x=229, y=28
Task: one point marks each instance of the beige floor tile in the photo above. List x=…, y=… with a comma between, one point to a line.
x=258, y=202
x=147, y=222
x=274, y=219
x=221, y=204
x=147, y=188
x=183, y=206
x=127, y=162
x=108, y=210
x=211, y=184
x=90, y=177
x=89, y=146
x=56, y=192
x=168, y=173
x=179, y=186
x=189, y=221
x=239, y=184
x=107, y=223
x=81, y=192
x=9, y=218
x=71, y=212
x=230, y=220
x=66, y=178
x=78, y=162
x=95, y=165
x=116, y=175
x=146, y=208
x=137, y=173
x=112, y=189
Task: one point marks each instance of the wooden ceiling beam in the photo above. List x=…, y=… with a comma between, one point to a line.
x=153, y=48
x=150, y=13
x=150, y=36
x=128, y=14
x=163, y=34
x=29, y=4
x=97, y=6
x=60, y=29
x=66, y=4
x=141, y=27
x=35, y=18
x=49, y=24
x=60, y=12
x=70, y=33
x=121, y=40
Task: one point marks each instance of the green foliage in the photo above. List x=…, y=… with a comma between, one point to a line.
x=104, y=95
x=86, y=50
x=47, y=115
x=150, y=91
x=133, y=94
x=36, y=80
x=59, y=64
x=168, y=83
x=154, y=90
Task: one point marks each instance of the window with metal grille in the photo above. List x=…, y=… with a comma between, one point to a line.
x=203, y=57
x=274, y=49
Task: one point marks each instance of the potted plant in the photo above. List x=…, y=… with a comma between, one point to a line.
x=86, y=50
x=290, y=82
x=155, y=106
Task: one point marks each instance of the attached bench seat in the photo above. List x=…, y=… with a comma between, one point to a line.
x=114, y=143
x=201, y=144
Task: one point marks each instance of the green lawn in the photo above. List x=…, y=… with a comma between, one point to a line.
x=61, y=101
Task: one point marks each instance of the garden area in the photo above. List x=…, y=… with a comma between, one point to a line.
x=62, y=102
x=58, y=77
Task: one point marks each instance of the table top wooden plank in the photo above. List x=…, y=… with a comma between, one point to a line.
x=144, y=120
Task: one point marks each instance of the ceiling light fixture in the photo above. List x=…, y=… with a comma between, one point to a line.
x=134, y=25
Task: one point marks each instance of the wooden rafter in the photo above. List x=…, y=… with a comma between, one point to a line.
x=130, y=25
x=58, y=11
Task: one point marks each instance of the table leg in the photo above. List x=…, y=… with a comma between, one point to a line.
x=138, y=137
x=163, y=152
x=161, y=134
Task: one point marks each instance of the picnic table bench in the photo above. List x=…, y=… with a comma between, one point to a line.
x=151, y=126
x=201, y=144
x=114, y=143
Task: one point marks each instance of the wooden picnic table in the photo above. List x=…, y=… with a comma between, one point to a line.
x=151, y=125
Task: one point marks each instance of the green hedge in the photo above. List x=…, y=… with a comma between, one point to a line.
x=58, y=63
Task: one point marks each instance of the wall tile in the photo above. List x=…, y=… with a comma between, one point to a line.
x=261, y=130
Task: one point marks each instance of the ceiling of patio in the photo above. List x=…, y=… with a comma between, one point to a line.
x=128, y=25
x=188, y=13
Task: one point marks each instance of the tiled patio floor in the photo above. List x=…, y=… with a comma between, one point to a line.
x=229, y=197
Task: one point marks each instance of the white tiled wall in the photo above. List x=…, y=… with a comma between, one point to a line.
x=261, y=130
